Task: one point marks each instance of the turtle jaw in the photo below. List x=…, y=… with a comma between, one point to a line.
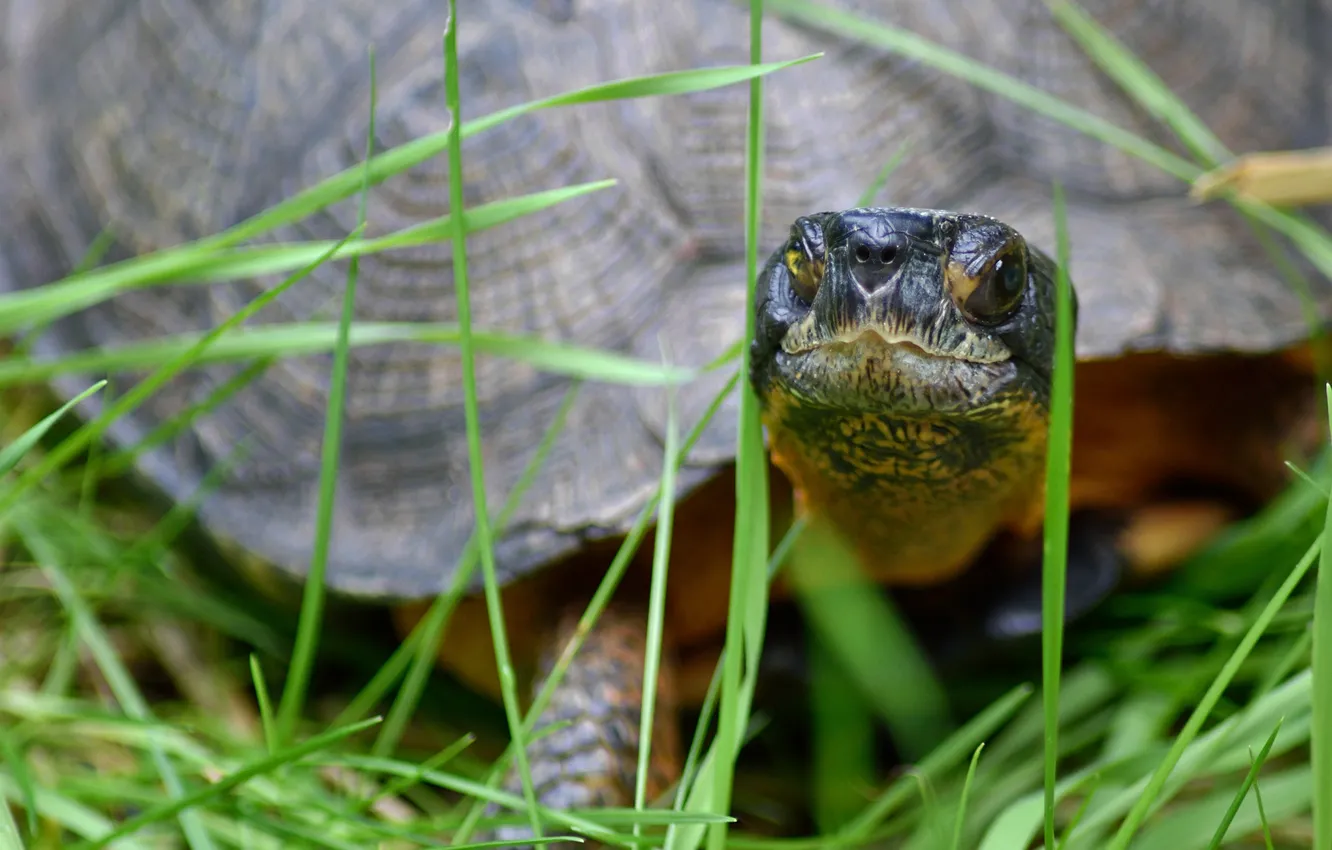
x=868, y=374
x=875, y=370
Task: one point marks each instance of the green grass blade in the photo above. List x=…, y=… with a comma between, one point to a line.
x=312, y=601
x=237, y=263
x=748, y=589
x=1152, y=94
x=196, y=264
x=439, y=759
x=966, y=792
x=955, y=64
x=860, y=626
x=385, y=165
x=9, y=832
x=466, y=787
x=1021, y=822
x=12, y=751
x=101, y=243
x=481, y=508
x=1321, y=743
x=600, y=599
x=424, y=643
x=230, y=781
x=842, y=740
x=1262, y=816
x=670, y=83
x=11, y=454
x=876, y=185
x=1249, y=779
x=118, y=678
x=1311, y=239
x=1133, y=75
x=661, y=559
x=93, y=430
x=266, y=718
x=945, y=756
x=122, y=461
x=1058, y=464
x=153, y=544
x=300, y=338
x=1080, y=813
x=1152, y=793
x=92, y=464
x=695, y=755
x=67, y=813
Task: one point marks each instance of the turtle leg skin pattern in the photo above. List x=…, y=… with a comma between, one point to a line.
x=592, y=761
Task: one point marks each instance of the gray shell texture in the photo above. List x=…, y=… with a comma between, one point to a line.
x=168, y=120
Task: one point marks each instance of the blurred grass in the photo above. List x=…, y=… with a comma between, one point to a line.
x=121, y=714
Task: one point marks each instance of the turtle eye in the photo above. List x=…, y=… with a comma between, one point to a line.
x=999, y=288
x=804, y=258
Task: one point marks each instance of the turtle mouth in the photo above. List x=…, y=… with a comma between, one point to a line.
x=896, y=336
x=876, y=369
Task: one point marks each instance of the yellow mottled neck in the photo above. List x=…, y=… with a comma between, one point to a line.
x=918, y=497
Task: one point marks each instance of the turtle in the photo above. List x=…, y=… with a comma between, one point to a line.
x=165, y=120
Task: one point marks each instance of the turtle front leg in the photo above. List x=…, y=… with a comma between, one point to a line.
x=591, y=760
x=1102, y=550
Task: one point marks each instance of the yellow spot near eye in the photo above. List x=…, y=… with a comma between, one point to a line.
x=807, y=273
x=960, y=284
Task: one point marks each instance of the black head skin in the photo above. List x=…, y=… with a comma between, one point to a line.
x=903, y=361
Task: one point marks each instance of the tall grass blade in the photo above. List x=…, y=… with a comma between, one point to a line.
x=12, y=750
x=1152, y=94
x=93, y=430
x=748, y=590
x=860, y=626
x=267, y=720
x=944, y=757
x=914, y=46
x=385, y=165
x=480, y=505
x=661, y=560
x=1059, y=454
x=842, y=738
x=881, y=179
x=600, y=599
x=1152, y=793
x=10, y=839
x=312, y=602
x=1321, y=743
x=300, y=338
x=11, y=454
x=1135, y=77
x=118, y=678
x=197, y=264
x=960, y=823
x=423, y=644
x=123, y=460
x=1249, y=779
x=232, y=780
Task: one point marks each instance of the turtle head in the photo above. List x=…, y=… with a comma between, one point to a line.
x=903, y=360
x=904, y=310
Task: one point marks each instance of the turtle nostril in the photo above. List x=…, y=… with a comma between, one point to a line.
x=876, y=259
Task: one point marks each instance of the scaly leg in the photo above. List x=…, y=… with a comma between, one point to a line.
x=592, y=760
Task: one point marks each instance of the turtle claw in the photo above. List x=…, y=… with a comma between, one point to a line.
x=1095, y=567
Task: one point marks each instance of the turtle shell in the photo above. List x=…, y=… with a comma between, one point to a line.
x=168, y=120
